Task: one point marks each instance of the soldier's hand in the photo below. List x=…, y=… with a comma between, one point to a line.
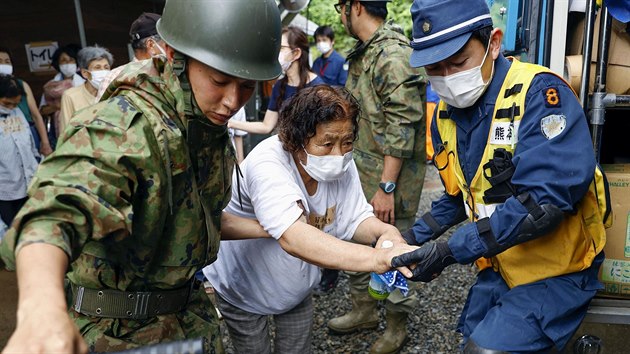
x=45, y=329
x=383, y=205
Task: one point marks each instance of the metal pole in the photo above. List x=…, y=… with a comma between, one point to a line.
x=589, y=23
x=77, y=9
x=598, y=112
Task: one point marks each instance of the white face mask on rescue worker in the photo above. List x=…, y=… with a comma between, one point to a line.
x=328, y=167
x=464, y=88
x=97, y=77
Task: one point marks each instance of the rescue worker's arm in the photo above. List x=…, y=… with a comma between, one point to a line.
x=43, y=324
x=445, y=212
x=401, y=90
x=316, y=247
x=237, y=228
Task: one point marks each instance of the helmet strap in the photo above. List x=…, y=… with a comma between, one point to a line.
x=179, y=63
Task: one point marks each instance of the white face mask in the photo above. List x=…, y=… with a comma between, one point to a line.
x=324, y=47
x=285, y=64
x=328, y=167
x=97, y=77
x=5, y=111
x=68, y=70
x=6, y=69
x=464, y=88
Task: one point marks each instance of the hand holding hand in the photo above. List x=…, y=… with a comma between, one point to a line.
x=386, y=256
x=430, y=260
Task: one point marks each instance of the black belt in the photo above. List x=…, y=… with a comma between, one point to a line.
x=137, y=305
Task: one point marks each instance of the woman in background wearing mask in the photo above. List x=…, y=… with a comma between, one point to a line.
x=64, y=60
x=297, y=74
x=28, y=106
x=303, y=187
x=94, y=63
x=17, y=150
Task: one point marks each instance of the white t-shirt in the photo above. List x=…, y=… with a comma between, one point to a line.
x=257, y=275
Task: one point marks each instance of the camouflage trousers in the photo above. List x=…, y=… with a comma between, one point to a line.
x=199, y=319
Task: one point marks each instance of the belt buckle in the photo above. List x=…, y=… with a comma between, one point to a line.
x=141, y=307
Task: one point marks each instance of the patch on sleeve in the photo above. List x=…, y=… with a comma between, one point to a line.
x=552, y=98
x=346, y=66
x=553, y=125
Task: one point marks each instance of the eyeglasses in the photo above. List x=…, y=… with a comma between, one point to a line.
x=339, y=5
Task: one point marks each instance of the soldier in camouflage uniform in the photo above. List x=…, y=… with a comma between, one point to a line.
x=129, y=205
x=389, y=152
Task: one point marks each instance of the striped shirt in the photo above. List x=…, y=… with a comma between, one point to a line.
x=17, y=155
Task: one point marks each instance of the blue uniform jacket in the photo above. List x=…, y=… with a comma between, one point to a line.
x=554, y=171
x=331, y=69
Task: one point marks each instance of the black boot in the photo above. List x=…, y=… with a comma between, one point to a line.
x=328, y=282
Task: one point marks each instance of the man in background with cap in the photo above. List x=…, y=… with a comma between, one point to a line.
x=512, y=147
x=146, y=43
x=389, y=152
x=128, y=207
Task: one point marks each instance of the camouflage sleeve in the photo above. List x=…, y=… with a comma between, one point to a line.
x=84, y=189
x=402, y=91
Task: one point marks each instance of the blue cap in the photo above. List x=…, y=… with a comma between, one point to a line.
x=619, y=9
x=442, y=27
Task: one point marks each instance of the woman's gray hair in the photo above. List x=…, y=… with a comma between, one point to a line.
x=88, y=54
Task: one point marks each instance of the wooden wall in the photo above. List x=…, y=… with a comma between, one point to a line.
x=106, y=23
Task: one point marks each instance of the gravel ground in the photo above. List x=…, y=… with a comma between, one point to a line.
x=431, y=326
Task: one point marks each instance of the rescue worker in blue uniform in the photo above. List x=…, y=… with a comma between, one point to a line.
x=513, y=150
x=330, y=66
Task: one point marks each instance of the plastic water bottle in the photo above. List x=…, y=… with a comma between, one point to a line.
x=377, y=288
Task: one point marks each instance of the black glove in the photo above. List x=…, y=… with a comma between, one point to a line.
x=430, y=260
x=409, y=237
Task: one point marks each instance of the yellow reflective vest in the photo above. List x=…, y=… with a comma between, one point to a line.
x=574, y=243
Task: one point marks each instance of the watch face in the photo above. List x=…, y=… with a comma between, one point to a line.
x=388, y=187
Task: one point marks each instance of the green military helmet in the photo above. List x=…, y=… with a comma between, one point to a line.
x=238, y=37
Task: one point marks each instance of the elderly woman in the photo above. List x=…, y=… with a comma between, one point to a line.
x=303, y=188
x=94, y=63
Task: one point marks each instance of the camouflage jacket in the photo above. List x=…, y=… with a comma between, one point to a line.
x=131, y=195
x=392, y=95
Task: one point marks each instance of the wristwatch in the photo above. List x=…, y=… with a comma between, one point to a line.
x=387, y=187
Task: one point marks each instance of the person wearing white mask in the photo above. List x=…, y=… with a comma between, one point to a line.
x=18, y=154
x=64, y=60
x=303, y=188
x=512, y=146
x=94, y=63
x=146, y=43
x=297, y=74
x=330, y=66
x=27, y=105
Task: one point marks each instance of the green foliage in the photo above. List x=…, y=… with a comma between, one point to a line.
x=323, y=12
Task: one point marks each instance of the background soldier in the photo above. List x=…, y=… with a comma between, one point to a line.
x=128, y=208
x=389, y=152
